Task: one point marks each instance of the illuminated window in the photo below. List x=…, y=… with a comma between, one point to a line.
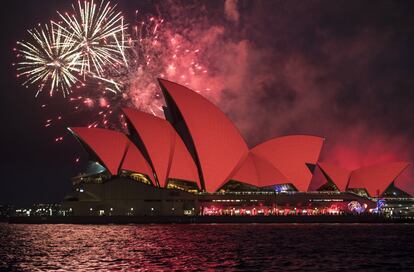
x=183, y=185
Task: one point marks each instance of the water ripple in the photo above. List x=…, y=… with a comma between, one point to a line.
x=192, y=247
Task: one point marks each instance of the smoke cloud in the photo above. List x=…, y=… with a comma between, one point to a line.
x=339, y=70
x=231, y=10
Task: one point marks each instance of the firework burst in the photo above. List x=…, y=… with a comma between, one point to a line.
x=99, y=32
x=106, y=65
x=49, y=59
x=87, y=46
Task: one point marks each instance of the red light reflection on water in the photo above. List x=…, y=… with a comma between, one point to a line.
x=195, y=247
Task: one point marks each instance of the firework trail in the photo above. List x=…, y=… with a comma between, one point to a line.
x=49, y=59
x=83, y=47
x=99, y=32
x=102, y=64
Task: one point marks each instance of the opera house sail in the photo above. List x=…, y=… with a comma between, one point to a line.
x=196, y=162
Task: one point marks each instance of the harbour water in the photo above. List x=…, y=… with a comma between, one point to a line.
x=184, y=247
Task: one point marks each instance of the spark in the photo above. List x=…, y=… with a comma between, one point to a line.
x=99, y=32
x=50, y=58
x=103, y=65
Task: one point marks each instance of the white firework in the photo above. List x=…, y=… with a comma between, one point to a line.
x=99, y=31
x=49, y=59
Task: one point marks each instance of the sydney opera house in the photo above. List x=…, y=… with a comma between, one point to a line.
x=195, y=162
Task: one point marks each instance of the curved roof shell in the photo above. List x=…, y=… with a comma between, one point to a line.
x=338, y=175
x=318, y=180
x=134, y=161
x=376, y=178
x=167, y=153
x=108, y=145
x=258, y=172
x=182, y=164
x=215, y=143
x=158, y=138
x=200, y=144
x=290, y=155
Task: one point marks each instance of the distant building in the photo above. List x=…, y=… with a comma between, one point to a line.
x=195, y=162
x=40, y=210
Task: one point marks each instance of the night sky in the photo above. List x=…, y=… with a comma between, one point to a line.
x=338, y=69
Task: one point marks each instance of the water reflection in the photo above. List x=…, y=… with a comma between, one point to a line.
x=207, y=247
